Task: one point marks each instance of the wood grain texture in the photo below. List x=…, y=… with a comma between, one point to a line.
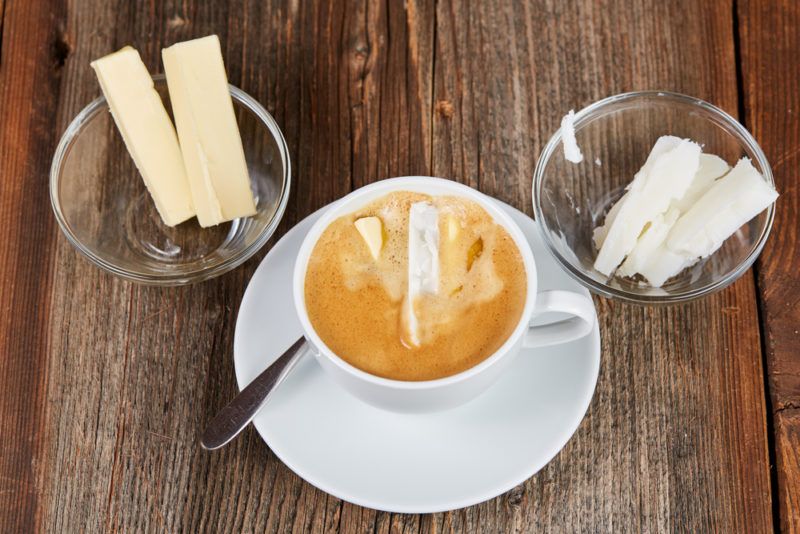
x=770, y=48
x=2, y=19
x=504, y=76
x=31, y=64
x=787, y=463
x=675, y=438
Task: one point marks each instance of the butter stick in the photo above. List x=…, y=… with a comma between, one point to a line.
x=147, y=131
x=207, y=130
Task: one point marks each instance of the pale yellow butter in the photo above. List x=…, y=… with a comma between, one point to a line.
x=207, y=130
x=453, y=228
x=371, y=230
x=147, y=131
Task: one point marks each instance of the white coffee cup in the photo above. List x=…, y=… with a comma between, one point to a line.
x=442, y=393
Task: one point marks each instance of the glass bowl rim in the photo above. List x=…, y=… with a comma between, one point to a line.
x=72, y=133
x=590, y=112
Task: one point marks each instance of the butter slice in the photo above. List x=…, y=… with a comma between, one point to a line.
x=371, y=229
x=453, y=228
x=207, y=130
x=147, y=131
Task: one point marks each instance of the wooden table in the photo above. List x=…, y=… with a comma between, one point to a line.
x=105, y=385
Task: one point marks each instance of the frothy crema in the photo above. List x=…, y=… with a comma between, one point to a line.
x=358, y=304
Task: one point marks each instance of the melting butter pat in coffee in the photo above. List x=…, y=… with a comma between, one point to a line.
x=371, y=229
x=453, y=228
x=414, y=286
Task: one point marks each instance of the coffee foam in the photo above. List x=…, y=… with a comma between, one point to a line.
x=355, y=302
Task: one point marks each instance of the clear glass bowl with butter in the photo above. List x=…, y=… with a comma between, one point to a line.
x=616, y=135
x=106, y=213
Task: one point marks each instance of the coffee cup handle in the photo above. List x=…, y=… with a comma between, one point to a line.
x=582, y=322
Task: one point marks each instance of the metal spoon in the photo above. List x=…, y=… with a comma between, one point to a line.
x=240, y=411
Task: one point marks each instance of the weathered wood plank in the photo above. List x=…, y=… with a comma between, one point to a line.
x=30, y=70
x=770, y=48
x=141, y=370
x=787, y=463
x=679, y=410
x=351, y=90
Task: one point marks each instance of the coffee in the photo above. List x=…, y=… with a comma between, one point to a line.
x=415, y=287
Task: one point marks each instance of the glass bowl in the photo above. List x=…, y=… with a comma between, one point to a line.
x=615, y=136
x=106, y=213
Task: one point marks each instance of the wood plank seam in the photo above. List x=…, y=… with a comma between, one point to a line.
x=771, y=411
x=2, y=21
x=773, y=474
x=432, y=98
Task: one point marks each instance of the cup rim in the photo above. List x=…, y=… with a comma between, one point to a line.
x=586, y=114
x=339, y=208
x=74, y=130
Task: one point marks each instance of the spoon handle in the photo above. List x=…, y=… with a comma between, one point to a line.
x=240, y=411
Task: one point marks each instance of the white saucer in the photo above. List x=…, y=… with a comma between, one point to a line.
x=411, y=463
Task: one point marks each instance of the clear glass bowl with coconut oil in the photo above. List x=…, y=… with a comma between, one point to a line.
x=615, y=135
